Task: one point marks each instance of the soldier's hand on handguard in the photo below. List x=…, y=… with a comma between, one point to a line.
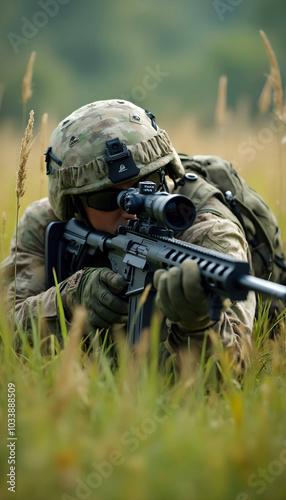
x=98, y=291
x=181, y=297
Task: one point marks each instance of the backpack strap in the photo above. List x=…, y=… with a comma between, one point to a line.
x=205, y=196
x=197, y=189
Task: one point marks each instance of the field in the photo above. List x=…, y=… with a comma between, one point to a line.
x=89, y=428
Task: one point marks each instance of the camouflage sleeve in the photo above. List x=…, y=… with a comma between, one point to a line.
x=235, y=326
x=32, y=298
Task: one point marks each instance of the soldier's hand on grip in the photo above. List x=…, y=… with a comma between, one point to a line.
x=94, y=293
x=181, y=297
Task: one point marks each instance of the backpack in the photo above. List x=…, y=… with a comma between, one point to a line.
x=208, y=176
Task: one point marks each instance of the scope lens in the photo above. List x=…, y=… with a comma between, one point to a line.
x=179, y=213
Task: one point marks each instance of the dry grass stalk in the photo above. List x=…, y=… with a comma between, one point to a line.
x=2, y=88
x=144, y=295
x=27, y=80
x=69, y=379
x=43, y=148
x=20, y=183
x=27, y=85
x=275, y=76
x=220, y=112
x=141, y=302
x=264, y=101
x=26, y=147
x=4, y=221
x=279, y=115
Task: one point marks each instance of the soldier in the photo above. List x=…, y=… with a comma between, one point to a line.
x=84, y=183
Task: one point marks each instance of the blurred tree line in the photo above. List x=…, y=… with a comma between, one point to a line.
x=166, y=55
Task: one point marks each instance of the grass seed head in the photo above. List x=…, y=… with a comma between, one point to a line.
x=264, y=101
x=275, y=76
x=27, y=80
x=26, y=147
x=220, y=112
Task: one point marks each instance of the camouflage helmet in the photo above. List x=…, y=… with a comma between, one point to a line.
x=81, y=157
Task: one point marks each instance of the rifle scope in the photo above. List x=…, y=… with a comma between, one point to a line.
x=175, y=211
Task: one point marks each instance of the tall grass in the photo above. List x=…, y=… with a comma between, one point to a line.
x=4, y=222
x=21, y=176
x=278, y=109
x=220, y=112
x=27, y=85
x=88, y=427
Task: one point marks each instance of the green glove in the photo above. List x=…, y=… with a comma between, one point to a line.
x=104, y=306
x=181, y=297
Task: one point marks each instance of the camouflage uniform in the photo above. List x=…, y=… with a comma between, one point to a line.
x=151, y=149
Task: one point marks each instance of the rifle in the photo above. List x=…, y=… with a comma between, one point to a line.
x=147, y=244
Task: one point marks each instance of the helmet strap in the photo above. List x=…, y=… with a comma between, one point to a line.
x=152, y=118
x=50, y=156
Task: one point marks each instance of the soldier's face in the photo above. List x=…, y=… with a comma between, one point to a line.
x=109, y=221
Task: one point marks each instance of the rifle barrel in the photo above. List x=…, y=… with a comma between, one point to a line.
x=260, y=285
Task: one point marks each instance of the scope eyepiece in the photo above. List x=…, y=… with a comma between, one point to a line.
x=174, y=211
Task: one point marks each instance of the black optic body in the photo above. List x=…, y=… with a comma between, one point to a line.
x=174, y=211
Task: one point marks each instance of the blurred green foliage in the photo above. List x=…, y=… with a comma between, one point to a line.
x=97, y=50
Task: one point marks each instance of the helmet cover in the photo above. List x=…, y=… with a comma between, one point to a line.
x=77, y=158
